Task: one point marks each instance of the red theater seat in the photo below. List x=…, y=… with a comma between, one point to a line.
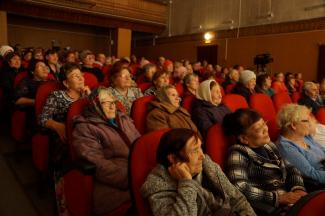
x=216, y=145
x=295, y=97
x=139, y=112
x=263, y=104
x=234, y=102
x=281, y=99
x=142, y=161
x=40, y=141
x=187, y=102
x=91, y=80
x=320, y=115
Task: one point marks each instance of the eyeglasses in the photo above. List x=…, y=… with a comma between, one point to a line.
x=109, y=103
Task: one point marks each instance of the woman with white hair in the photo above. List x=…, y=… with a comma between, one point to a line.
x=297, y=146
x=310, y=97
x=207, y=108
x=246, y=85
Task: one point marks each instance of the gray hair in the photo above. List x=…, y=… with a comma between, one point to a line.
x=291, y=113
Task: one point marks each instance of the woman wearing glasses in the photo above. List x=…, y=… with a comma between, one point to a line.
x=103, y=136
x=255, y=166
x=121, y=86
x=297, y=146
x=166, y=112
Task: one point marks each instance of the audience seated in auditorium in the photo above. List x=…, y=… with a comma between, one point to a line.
x=231, y=78
x=239, y=68
x=100, y=60
x=299, y=81
x=310, y=97
x=56, y=106
x=166, y=112
x=278, y=85
x=246, y=85
x=322, y=91
x=207, y=108
x=161, y=62
x=191, y=84
x=12, y=66
x=52, y=61
x=159, y=79
x=254, y=163
x=179, y=73
x=121, y=85
x=317, y=131
x=104, y=136
x=27, y=55
x=148, y=72
x=88, y=59
x=297, y=146
x=197, y=68
x=290, y=82
x=187, y=182
x=69, y=57
x=26, y=89
x=38, y=54
x=263, y=85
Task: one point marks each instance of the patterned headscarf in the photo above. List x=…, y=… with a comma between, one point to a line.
x=95, y=99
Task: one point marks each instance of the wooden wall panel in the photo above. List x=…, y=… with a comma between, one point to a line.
x=295, y=52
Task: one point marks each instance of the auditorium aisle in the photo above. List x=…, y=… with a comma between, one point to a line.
x=19, y=183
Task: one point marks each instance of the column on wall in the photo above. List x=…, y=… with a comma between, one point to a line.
x=124, y=37
x=4, y=28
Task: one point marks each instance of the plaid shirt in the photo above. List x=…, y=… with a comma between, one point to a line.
x=262, y=179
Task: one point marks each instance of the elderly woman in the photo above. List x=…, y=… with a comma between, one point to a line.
x=25, y=91
x=104, y=136
x=255, y=166
x=52, y=61
x=176, y=186
x=278, y=85
x=207, y=108
x=121, y=86
x=310, y=97
x=159, y=79
x=56, y=106
x=88, y=60
x=246, y=85
x=231, y=78
x=290, y=82
x=263, y=85
x=297, y=146
x=191, y=84
x=166, y=112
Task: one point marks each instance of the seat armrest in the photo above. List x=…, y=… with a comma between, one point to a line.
x=82, y=165
x=263, y=209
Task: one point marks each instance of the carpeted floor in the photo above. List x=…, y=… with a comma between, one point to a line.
x=20, y=183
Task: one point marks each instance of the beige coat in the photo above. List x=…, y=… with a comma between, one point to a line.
x=165, y=115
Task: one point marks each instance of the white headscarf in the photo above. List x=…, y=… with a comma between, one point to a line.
x=204, y=92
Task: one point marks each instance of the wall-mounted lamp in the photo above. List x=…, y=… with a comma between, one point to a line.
x=208, y=36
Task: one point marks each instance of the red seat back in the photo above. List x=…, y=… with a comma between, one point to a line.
x=144, y=86
x=216, y=145
x=180, y=89
x=76, y=108
x=311, y=204
x=320, y=115
x=91, y=80
x=187, y=102
x=234, y=102
x=263, y=104
x=295, y=97
x=139, y=112
x=281, y=99
x=43, y=92
x=19, y=77
x=142, y=161
x=229, y=88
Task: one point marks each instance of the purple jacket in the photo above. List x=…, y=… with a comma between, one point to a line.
x=108, y=148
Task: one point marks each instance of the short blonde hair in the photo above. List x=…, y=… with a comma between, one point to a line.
x=103, y=93
x=291, y=113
